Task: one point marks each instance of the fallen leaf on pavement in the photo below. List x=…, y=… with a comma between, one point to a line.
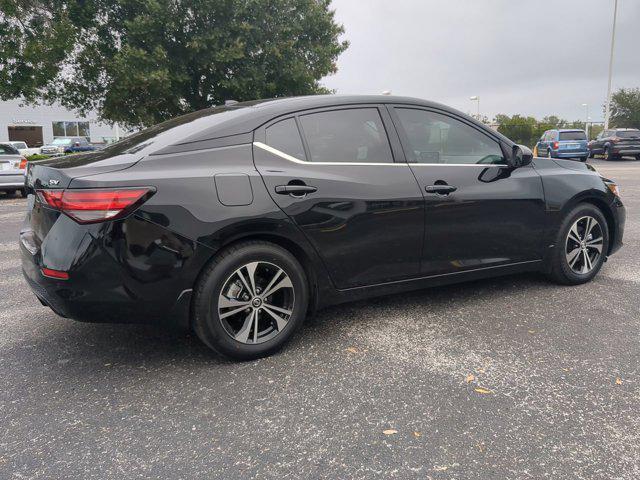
x=618, y=381
x=417, y=434
x=470, y=378
x=390, y=431
x=352, y=350
x=481, y=390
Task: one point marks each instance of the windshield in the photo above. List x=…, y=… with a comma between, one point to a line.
x=19, y=144
x=61, y=141
x=628, y=133
x=577, y=135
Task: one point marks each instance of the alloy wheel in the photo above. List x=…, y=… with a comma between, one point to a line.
x=583, y=246
x=256, y=302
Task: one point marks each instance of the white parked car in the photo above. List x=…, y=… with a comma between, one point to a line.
x=12, y=169
x=24, y=149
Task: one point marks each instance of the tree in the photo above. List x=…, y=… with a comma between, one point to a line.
x=139, y=62
x=520, y=129
x=625, y=108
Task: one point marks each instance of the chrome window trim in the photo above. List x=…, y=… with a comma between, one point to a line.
x=484, y=165
x=293, y=159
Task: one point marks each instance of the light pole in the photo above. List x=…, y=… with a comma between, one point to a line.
x=476, y=98
x=586, y=119
x=613, y=40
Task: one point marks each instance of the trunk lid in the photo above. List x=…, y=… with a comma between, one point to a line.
x=58, y=172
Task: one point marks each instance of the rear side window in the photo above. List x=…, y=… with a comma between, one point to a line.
x=350, y=136
x=573, y=136
x=628, y=133
x=284, y=136
x=436, y=138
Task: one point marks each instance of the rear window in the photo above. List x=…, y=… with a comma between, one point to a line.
x=284, y=136
x=573, y=135
x=353, y=135
x=7, y=150
x=628, y=134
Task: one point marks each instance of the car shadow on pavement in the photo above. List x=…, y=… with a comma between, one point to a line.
x=86, y=350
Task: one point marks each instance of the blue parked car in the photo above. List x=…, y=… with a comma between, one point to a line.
x=563, y=144
x=61, y=145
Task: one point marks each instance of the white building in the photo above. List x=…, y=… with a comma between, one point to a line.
x=41, y=124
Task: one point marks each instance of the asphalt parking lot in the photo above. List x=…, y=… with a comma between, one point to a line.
x=510, y=378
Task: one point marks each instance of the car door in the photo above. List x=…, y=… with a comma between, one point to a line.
x=479, y=212
x=339, y=176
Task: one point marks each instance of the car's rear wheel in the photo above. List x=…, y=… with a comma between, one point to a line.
x=608, y=154
x=250, y=300
x=580, y=247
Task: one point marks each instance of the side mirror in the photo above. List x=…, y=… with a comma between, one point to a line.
x=521, y=156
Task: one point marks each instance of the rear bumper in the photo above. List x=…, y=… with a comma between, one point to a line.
x=626, y=150
x=12, y=181
x=114, y=277
x=570, y=154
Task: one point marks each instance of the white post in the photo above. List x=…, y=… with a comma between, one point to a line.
x=586, y=119
x=613, y=39
x=477, y=99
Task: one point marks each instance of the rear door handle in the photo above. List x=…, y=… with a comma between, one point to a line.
x=441, y=189
x=295, y=190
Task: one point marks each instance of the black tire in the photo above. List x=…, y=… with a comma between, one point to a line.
x=206, y=320
x=608, y=155
x=559, y=269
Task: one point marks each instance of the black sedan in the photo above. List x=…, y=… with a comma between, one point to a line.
x=239, y=221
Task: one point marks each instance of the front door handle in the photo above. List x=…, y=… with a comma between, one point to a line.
x=295, y=190
x=440, y=189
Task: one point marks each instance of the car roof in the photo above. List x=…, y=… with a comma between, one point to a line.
x=255, y=113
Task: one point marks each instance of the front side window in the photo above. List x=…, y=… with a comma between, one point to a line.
x=437, y=138
x=350, y=136
x=284, y=136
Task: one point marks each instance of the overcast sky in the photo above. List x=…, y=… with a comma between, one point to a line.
x=531, y=57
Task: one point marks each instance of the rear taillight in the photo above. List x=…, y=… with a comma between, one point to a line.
x=556, y=145
x=23, y=163
x=93, y=205
x=57, y=274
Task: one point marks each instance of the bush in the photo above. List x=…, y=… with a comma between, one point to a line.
x=33, y=158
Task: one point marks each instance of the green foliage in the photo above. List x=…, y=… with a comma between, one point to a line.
x=139, y=62
x=528, y=130
x=33, y=158
x=625, y=108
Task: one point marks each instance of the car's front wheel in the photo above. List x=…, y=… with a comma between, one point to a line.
x=580, y=246
x=250, y=300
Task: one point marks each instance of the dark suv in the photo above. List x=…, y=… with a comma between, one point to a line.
x=616, y=143
x=238, y=221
